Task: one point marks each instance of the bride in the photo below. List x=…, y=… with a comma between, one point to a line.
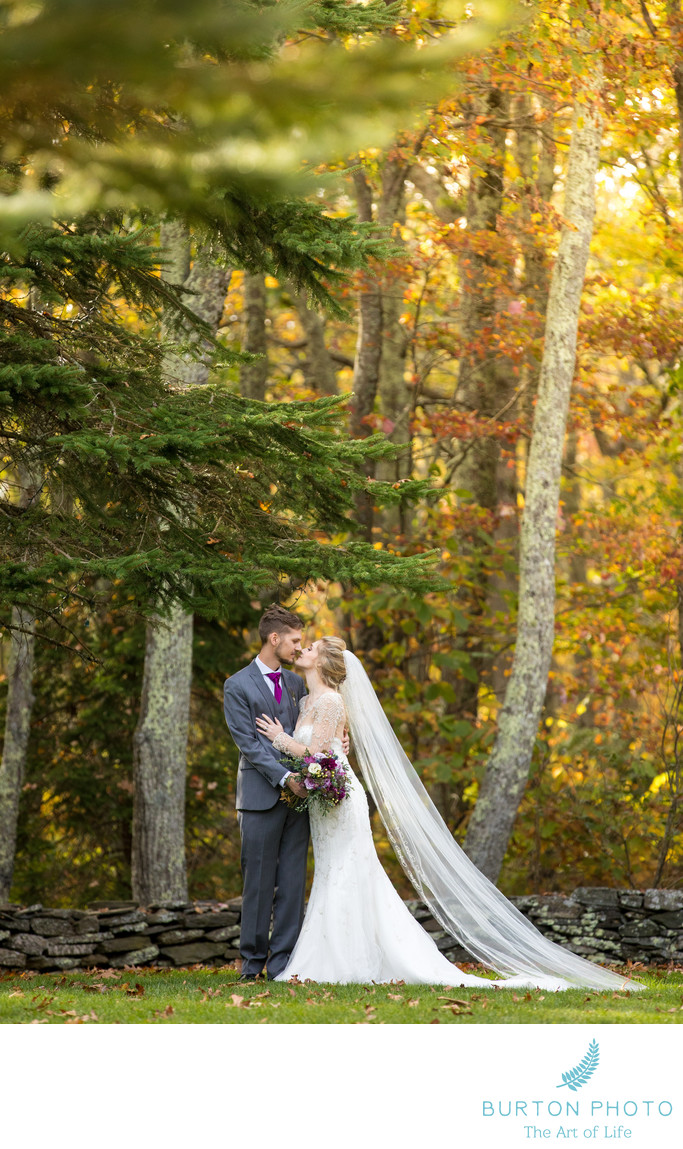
x=357, y=928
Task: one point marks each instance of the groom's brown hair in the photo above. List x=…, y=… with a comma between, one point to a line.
x=276, y=618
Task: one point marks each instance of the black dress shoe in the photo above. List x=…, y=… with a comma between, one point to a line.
x=251, y=977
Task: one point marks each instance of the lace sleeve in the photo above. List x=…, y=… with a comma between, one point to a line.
x=285, y=744
x=328, y=717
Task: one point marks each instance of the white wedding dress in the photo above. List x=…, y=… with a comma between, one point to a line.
x=357, y=929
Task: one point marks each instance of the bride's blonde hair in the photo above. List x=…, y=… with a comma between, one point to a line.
x=330, y=665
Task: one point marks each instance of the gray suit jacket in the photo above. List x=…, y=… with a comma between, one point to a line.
x=245, y=697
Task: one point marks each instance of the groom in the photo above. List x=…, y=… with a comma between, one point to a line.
x=274, y=837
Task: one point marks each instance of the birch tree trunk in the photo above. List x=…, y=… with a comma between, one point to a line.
x=158, y=867
x=17, y=728
x=159, y=872
x=18, y=717
x=508, y=767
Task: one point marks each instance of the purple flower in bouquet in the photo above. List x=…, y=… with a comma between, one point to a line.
x=324, y=778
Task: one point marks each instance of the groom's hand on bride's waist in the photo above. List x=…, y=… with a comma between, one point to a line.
x=296, y=786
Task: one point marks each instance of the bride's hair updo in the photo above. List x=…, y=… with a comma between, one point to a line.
x=330, y=664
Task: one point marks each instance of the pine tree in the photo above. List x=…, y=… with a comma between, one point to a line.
x=185, y=494
x=200, y=109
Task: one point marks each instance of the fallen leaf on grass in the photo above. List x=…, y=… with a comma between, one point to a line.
x=44, y=1002
x=394, y=997
x=415, y=1001
x=239, y=1002
x=168, y=1012
x=73, y=1018
x=455, y=1001
x=17, y=993
x=209, y=993
x=110, y=973
x=456, y=1010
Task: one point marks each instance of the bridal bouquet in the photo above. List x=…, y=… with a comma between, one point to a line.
x=325, y=779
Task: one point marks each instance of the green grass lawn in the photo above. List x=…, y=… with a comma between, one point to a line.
x=214, y=997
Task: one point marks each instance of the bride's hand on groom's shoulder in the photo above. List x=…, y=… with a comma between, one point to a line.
x=269, y=727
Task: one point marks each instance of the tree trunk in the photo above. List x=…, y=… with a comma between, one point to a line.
x=534, y=151
x=159, y=872
x=396, y=398
x=17, y=729
x=508, y=767
x=368, y=353
x=483, y=381
x=19, y=708
x=318, y=368
x=674, y=19
x=160, y=742
x=254, y=376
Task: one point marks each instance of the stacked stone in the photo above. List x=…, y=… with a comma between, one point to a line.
x=119, y=934
x=599, y=923
x=612, y=925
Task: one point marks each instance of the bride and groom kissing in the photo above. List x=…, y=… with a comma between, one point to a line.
x=356, y=928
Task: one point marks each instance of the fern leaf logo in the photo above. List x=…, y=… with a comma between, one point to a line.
x=580, y=1074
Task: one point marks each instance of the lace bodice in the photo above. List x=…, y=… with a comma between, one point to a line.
x=319, y=727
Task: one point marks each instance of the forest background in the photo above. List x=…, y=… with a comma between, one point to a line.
x=207, y=345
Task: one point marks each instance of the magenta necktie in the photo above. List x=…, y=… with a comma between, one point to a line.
x=275, y=676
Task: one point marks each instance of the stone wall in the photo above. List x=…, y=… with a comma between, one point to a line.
x=598, y=923
x=119, y=934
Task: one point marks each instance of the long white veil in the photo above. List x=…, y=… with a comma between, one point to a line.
x=465, y=902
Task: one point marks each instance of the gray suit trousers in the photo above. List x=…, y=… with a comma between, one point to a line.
x=274, y=849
